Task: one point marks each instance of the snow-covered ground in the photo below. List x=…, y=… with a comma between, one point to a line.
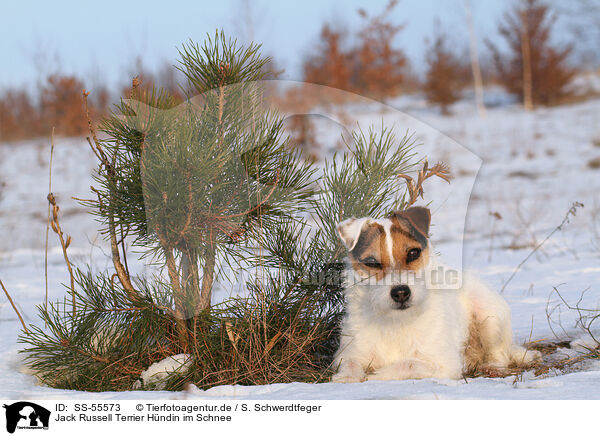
x=534, y=166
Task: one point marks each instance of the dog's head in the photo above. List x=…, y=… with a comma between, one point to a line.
x=388, y=256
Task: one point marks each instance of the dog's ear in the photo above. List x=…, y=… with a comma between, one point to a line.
x=419, y=219
x=349, y=231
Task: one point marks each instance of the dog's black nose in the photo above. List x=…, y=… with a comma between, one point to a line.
x=400, y=294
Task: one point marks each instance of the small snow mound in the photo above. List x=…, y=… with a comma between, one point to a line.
x=155, y=376
x=585, y=83
x=537, y=384
x=448, y=382
x=585, y=343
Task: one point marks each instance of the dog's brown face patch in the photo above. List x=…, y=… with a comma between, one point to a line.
x=414, y=221
x=410, y=249
x=408, y=253
x=370, y=255
x=407, y=236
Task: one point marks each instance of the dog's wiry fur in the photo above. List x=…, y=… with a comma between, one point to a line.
x=432, y=333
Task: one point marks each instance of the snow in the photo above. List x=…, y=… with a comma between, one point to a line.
x=529, y=167
x=585, y=342
x=586, y=83
x=155, y=376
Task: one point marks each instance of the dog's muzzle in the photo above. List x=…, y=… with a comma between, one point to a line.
x=400, y=294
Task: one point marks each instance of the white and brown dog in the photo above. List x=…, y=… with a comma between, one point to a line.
x=397, y=327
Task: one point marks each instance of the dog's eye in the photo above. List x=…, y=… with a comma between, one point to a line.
x=371, y=262
x=413, y=254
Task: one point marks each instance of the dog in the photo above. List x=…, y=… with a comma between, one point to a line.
x=397, y=327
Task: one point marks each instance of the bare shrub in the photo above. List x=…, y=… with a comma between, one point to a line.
x=19, y=116
x=445, y=77
x=585, y=347
x=331, y=64
x=531, y=22
x=379, y=71
x=373, y=66
x=61, y=105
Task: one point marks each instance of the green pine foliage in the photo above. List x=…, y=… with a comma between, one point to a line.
x=212, y=186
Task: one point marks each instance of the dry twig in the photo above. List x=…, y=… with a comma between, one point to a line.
x=586, y=316
x=14, y=306
x=64, y=242
x=49, y=210
x=415, y=190
x=571, y=212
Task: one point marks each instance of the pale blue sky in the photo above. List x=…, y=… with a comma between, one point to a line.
x=101, y=39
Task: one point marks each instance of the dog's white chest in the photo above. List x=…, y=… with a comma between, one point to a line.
x=383, y=339
x=390, y=343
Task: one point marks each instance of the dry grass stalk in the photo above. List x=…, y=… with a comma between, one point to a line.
x=10, y=300
x=587, y=317
x=571, y=212
x=64, y=242
x=558, y=365
x=49, y=211
x=415, y=189
x=551, y=362
x=497, y=217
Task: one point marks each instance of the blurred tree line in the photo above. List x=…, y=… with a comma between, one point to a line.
x=532, y=67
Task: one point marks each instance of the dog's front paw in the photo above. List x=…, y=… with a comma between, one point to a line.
x=521, y=356
x=380, y=376
x=349, y=371
x=494, y=372
x=394, y=372
x=532, y=356
x=346, y=378
x=406, y=369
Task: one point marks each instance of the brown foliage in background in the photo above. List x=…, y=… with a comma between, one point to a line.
x=379, y=71
x=332, y=63
x=550, y=70
x=61, y=106
x=19, y=116
x=57, y=103
x=373, y=67
x=447, y=74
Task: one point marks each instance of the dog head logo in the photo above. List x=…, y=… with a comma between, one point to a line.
x=392, y=257
x=26, y=415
